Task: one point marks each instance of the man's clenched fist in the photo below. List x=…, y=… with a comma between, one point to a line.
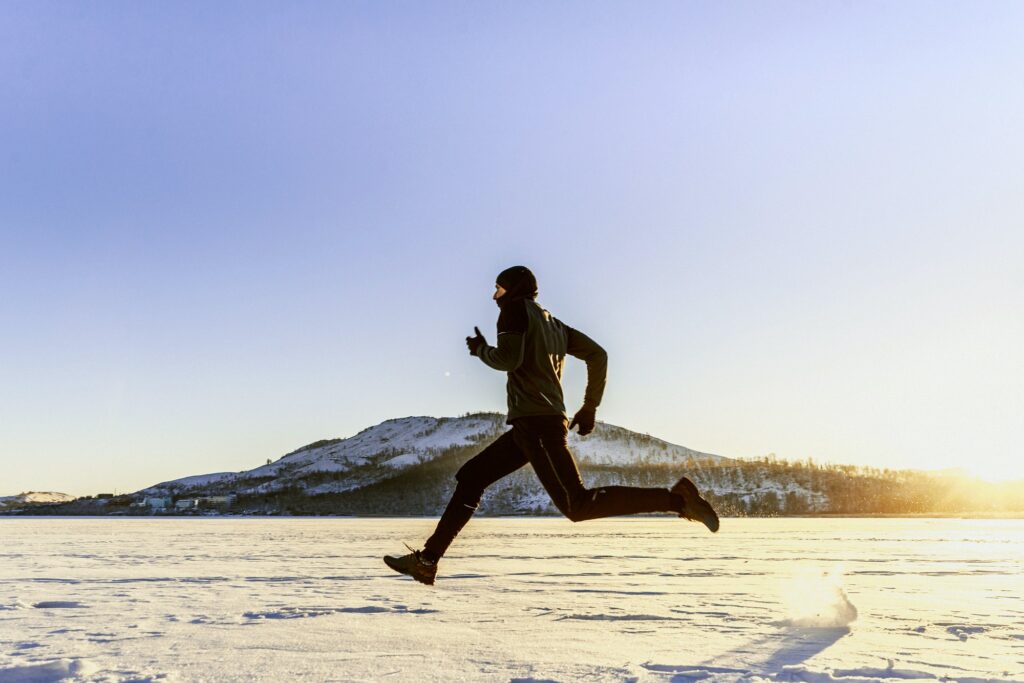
x=476, y=343
x=584, y=418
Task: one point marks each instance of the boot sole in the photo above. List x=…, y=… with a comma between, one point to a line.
x=429, y=581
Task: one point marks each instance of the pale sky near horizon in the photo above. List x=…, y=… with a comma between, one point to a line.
x=231, y=229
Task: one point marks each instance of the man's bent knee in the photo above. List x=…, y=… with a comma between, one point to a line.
x=580, y=508
x=575, y=510
x=574, y=516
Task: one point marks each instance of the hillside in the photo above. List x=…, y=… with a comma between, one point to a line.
x=413, y=457
x=31, y=498
x=406, y=466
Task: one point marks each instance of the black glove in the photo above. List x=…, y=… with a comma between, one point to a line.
x=475, y=343
x=585, y=419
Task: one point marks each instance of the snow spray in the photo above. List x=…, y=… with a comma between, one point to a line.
x=816, y=599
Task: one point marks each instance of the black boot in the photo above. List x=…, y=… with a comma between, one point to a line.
x=414, y=565
x=695, y=508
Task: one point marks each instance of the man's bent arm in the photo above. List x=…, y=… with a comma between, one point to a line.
x=508, y=355
x=586, y=349
x=512, y=327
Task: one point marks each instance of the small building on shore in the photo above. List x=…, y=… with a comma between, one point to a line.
x=216, y=502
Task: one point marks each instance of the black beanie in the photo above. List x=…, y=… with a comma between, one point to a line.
x=518, y=283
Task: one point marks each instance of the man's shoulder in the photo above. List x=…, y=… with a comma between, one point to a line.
x=536, y=310
x=522, y=314
x=540, y=316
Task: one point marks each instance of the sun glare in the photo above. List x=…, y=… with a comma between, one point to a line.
x=1001, y=473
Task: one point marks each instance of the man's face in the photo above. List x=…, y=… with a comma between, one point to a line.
x=499, y=291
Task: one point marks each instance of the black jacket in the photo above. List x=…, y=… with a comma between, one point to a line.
x=532, y=345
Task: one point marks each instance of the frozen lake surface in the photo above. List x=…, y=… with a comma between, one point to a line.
x=526, y=599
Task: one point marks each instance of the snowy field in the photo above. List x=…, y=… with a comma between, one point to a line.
x=638, y=599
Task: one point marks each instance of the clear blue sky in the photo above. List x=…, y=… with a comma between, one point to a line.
x=230, y=229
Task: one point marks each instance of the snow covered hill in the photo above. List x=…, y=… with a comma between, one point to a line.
x=406, y=466
x=397, y=446
x=34, y=498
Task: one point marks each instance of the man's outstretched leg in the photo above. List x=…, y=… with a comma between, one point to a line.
x=499, y=459
x=543, y=440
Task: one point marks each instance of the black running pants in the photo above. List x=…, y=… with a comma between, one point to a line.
x=541, y=441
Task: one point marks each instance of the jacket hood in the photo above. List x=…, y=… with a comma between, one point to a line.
x=518, y=283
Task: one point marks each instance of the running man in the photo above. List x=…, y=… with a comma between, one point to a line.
x=532, y=345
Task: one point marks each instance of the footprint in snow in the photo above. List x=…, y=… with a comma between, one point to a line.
x=59, y=604
x=304, y=612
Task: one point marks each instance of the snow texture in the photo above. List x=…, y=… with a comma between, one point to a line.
x=524, y=599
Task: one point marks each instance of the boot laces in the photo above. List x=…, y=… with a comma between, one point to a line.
x=417, y=554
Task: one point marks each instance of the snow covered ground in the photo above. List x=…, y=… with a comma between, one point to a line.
x=526, y=599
